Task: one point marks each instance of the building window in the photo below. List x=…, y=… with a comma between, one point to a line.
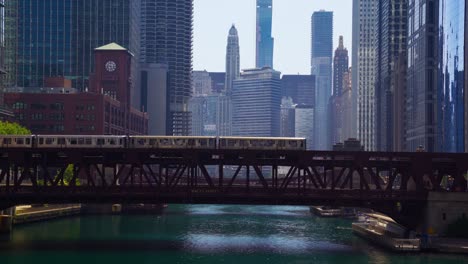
x=37, y=116
x=19, y=105
x=57, y=106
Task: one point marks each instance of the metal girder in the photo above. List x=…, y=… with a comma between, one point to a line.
x=203, y=171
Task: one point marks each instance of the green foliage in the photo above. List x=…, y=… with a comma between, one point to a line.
x=7, y=128
x=458, y=229
x=68, y=176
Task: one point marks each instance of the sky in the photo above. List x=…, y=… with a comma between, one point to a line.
x=291, y=31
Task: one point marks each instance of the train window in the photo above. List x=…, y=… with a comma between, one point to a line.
x=203, y=142
x=120, y=141
x=152, y=142
x=280, y=143
x=111, y=141
x=19, y=141
x=7, y=141
x=61, y=141
x=41, y=141
x=164, y=142
x=81, y=141
x=73, y=141
x=191, y=142
x=89, y=141
x=28, y=141
x=179, y=142
x=141, y=142
x=100, y=141
x=49, y=141
x=232, y=142
x=293, y=143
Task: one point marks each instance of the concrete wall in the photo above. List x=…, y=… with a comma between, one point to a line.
x=442, y=210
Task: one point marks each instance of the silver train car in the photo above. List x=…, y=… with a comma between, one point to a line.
x=264, y=143
x=151, y=142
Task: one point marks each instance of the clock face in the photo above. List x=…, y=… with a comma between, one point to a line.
x=111, y=66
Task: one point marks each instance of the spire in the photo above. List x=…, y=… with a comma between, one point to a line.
x=341, y=46
x=233, y=30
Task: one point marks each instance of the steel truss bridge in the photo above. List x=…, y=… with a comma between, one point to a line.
x=391, y=182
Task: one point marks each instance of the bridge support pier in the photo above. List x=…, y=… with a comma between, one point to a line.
x=443, y=209
x=6, y=223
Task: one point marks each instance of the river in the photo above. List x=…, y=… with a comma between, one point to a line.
x=201, y=234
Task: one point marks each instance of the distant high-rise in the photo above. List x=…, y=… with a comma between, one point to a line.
x=300, y=88
x=391, y=43
x=364, y=39
x=202, y=83
x=451, y=73
x=287, y=116
x=304, y=123
x=340, y=67
x=321, y=67
x=256, y=99
x=166, y=38
x=232, y=59
x=58, y=38
x=265, y=42
x=422, y=75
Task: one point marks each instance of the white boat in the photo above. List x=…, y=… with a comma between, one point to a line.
x=385, y=232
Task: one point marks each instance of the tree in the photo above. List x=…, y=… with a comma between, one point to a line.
x=7, y=128
x=68, y=175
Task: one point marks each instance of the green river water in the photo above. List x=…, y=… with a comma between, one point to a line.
x=201, y=234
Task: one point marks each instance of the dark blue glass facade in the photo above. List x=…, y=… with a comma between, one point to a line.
x=58, y=37
x=44, y=46
x=265, y=43
x=451, y=81
x=322, y=34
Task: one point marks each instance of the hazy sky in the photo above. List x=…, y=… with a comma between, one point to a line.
x=291, y=30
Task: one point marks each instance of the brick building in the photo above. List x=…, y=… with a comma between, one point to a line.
x=102, y=109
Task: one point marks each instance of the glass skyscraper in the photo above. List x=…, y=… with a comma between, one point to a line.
x=321, y=67
x=58, y=38
x=265, y=42
x=421, y=93
x=391, y=43
x=451, y=76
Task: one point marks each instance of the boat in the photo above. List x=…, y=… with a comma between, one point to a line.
x=385, y=232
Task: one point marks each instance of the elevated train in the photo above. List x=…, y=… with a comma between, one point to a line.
x=151, y=142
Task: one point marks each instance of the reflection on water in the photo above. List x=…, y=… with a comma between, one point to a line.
x=200, y=234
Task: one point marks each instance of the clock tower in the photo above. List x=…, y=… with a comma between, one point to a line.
x=112, y=73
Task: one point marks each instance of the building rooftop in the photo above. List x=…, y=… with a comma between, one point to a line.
x=111, y=46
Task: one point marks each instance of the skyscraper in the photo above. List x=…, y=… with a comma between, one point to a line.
x=58, y=38
x=166, y=38
x=364, y=37
x=287, y=117
x=422, y=75
x=340, y=67
x=301, y=88
x=451, y=76
x=391, y=43
x=256, y=99
x=265, y=42
x=232, y=59
x=321, y=67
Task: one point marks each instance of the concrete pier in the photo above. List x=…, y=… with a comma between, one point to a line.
x=6, y=223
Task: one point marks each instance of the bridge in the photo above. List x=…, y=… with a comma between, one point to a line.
x=394, y=183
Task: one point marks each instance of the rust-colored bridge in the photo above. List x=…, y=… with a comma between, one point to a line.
x=227, y=176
